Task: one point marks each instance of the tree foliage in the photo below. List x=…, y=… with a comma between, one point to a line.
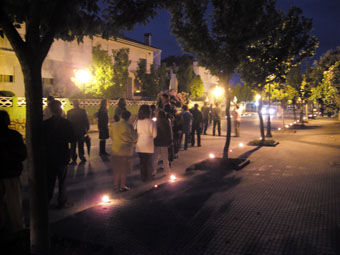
x=196, y=87
x=243, y=93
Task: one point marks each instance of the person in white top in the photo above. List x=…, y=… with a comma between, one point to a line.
x=237, y=120
x=147, y=131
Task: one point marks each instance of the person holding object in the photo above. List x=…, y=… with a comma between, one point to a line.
x=123, y=139
x=12, y=154
x=81, y=125
x=103, y=121
x=237, y=120
x=162, y=142
x=147, y=132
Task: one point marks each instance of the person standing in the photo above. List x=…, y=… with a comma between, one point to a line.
x=47, y=111
x=57, y=133
x=216, y=116
x=237, y=120
x=103, y=121
x=210, y=113
x=205, y=114
x=186, y=117
x=12, y=154
x=162, y=142
x=80, y=124
x=123, y=139
x=147, y=132
x=196, y=126
x=120, y=108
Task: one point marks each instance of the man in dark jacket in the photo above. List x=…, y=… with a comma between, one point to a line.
x=12, y=153
x=196, y=125
x=80, y=124
x=58, y=134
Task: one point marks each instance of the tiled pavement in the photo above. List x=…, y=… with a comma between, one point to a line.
x=287, y=201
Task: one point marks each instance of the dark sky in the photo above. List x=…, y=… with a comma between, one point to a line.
x=325, y=15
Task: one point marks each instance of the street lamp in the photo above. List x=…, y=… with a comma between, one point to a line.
x=81, y=78
x=218, y=92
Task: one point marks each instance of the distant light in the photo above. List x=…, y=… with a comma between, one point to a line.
x=241, y=145
x=173, y=178
x=287, y=126
x=279, y=129
x=271, y=111
x=298, y=121
x=294, y=122
x=105, y=199
x=155, y=186
x=304, y=118
x=291, y=124
x=154, y=119
x=211, y=155
x=230, y=150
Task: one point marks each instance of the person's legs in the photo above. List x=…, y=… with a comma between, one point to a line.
x=81, y=148
x=193, y=136
x=219, y=127
x=11, y=219
x=186, y=138
x=51, y=179
x=125, y=168
x=102, y=147
x=238, y=128
x=206, y=123
x=117, y=168
x=156, y=159
x=214, y=127
x=73, y=150
x=198, y=136
x=143, y=165
x=165, y=158
x=62, y=197
x=149, y=166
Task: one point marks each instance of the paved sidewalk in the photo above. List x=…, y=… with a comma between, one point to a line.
x=286, y=201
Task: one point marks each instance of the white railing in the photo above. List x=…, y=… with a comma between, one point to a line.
x=21, y=102
x=6, y=101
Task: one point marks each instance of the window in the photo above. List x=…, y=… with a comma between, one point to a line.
x=6, y=78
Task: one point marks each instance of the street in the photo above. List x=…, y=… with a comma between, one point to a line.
x=286, y=201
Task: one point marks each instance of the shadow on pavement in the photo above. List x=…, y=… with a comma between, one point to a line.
x=248, y=153
x=173, y=218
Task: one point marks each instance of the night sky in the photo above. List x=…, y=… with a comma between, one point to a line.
x=325, y=15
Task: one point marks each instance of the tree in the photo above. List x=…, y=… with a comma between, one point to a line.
x=151, y=82
x=220, y=36
x=196, y=87
x=270, y=58
x=40, y=22
x=243, y=93
x=102, y=71
x=120, y=72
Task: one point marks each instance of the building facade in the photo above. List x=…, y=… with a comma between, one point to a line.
x=65, y=58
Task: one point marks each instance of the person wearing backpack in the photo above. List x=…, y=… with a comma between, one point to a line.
x=12, y=154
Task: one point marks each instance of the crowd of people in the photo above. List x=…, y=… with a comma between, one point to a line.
x=157, y=133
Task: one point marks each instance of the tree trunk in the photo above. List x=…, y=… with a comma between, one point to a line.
x=37, y=174
x=259, y=111
x=306, y=109
x=227, y=113
x=294, y=111
x=301, y=114
x=269, y=126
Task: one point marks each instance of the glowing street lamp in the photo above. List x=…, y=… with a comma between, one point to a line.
x=81, y=78
x=218, y=92
x=172, y=178
x=211, y=155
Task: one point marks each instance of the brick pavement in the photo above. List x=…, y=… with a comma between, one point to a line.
x=285, y=202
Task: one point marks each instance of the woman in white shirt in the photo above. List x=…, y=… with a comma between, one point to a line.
x=147, y=131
